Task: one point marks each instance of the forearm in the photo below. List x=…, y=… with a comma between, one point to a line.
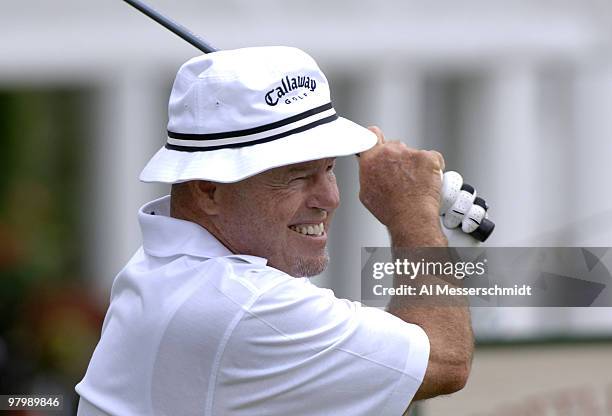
x=445, y=319
x=401, y=187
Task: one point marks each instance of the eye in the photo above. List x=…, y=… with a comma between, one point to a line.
x=298, y=178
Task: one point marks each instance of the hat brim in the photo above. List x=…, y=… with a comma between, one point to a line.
x=341, y=137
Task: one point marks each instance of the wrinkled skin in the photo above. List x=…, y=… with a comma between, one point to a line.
x=253, y=216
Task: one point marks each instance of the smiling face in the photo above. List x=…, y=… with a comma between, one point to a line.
x=282, y=215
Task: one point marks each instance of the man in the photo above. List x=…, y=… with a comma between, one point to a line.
x=214, y=315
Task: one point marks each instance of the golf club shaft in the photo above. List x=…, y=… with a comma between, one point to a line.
x=171, y=25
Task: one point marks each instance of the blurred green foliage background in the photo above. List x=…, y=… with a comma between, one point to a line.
x=49, y=323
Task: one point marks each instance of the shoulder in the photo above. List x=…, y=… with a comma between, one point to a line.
x=295, y=331
x=248, y=271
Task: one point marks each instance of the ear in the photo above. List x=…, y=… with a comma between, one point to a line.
x=206, y=196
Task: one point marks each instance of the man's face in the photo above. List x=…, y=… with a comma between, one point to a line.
x=282, y=215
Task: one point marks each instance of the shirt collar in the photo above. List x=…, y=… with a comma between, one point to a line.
x=164, y=236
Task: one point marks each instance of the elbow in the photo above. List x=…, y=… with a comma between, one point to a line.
x=448, y=369
x=460, y=380
x=460, y=371
x=457, y=379
x=443, y=380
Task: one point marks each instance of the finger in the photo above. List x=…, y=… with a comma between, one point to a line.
x=439, y=158
x=378, y=132
x=379, y=136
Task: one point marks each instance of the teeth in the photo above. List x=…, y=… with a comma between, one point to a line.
x=316, y=230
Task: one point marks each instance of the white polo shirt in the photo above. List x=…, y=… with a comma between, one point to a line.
x=193, y=329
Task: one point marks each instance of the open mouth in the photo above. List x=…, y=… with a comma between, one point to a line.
x=311, y=230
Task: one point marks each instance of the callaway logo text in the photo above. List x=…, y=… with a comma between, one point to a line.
x=290, y=84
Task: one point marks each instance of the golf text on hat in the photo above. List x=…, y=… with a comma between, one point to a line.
x=237, y=113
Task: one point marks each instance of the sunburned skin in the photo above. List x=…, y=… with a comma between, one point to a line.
x=282, y=215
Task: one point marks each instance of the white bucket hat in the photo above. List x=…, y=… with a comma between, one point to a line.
x=236, y=113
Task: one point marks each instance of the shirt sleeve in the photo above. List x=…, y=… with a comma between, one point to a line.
x=300, y=350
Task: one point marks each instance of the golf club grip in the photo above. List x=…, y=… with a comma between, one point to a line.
x=171, y=25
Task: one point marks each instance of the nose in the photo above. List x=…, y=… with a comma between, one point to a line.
x=324, y=193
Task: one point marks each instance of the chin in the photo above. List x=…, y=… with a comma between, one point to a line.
x=309, y=267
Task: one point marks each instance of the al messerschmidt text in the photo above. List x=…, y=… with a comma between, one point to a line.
x=448, y=290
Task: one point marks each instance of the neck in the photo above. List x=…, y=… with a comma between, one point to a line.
x=184, y=213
